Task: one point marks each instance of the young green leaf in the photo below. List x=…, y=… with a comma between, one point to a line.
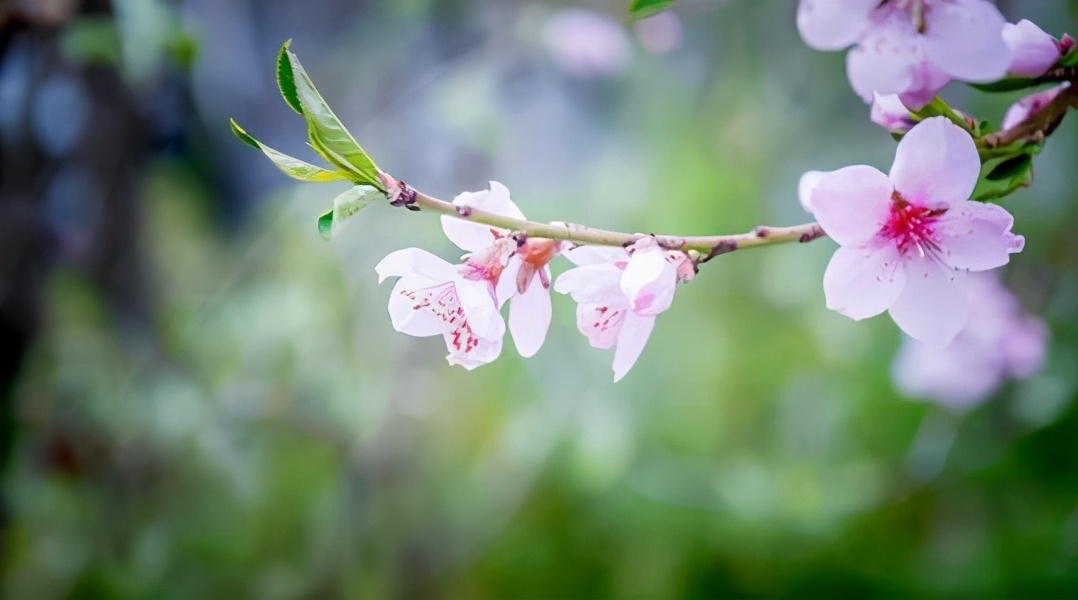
x=285, y=81
x=328, y=135
x=1004, y=177
x=641, y=9
x=345, y=206
x=293, y=167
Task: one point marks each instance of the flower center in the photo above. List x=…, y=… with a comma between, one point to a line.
x=912, y=228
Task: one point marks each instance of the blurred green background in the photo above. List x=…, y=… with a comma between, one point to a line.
x=203, y=399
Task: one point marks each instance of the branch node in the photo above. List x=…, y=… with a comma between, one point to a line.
x=761, y=231
x=721, y=247
x=464, y=211
x=816, y=233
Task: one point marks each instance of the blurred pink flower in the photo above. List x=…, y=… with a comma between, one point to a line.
x=659, y=34
x=586, y=43
x=1030, y=105
x=998, y=342
x=620, y=292
x=1034, y=50
x=909, y=47
x=908, y=239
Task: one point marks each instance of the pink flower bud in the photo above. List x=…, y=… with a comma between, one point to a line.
x=1034, y=50
x=1031, y=105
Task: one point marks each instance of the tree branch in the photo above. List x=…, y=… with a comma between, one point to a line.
x=699, y=248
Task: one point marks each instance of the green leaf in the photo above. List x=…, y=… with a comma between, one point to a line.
x=285, y=81
x=1002, y=178
x=1008, y=84
x=293, y=167
x=327, y=134
x=641, y=9
x=345, y=207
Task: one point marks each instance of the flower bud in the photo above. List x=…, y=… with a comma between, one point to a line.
x=1031, y=105
x=1034, y=50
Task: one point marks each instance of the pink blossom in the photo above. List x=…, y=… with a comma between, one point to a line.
x=998, y=342
x=908, y=239
x=512, y=271
x=909, y=47
x=1030, y=105
x=585, y=43
x=1034, y=50
x=620, y=292
x=889, y=112
x=432, y=297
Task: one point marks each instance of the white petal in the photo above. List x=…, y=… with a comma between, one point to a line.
x=475, y=237
x=472, y=237
x=634, y=334
x=933, y=306
x=529, y=318
x=409, y=307
x=936, y=164
x=507, y=282
x=478, y=304
x=852, y=204
x=470, y=351
x=591, y=283
x=863, y=282
x=594, y=255
x=414, y=261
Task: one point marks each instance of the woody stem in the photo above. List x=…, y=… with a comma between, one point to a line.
x=699, y=248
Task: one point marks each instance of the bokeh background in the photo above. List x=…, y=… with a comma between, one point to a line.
x=203, y=399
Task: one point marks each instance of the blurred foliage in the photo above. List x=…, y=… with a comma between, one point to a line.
x=268, y=435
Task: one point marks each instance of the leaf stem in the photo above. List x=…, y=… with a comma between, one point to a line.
x=700, y=248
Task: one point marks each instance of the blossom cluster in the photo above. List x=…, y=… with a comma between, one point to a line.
x=619, y=291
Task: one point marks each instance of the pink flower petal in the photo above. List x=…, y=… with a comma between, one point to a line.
x=933, y=306
x=890, y=113
x=863, y=282
x=601, y=322
x=927, y=81
x=884, y=61
x=648, y=281
x=852, y=203
x=964, y=38
x=936, y=164
x=1026, y=344
x=834, y=24
x=1034, y=50
x=978, y=236
x=956, y=376
x=475, y=237
x=807, y=185
x=529, y=318
x=634, y=334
